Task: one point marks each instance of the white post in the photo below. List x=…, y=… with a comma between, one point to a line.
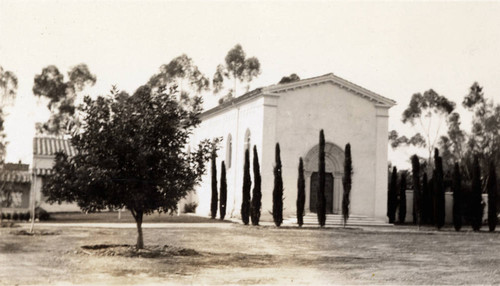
x=32, y=201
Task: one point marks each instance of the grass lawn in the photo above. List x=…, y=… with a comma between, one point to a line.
x=126, y=217
x=237, y=254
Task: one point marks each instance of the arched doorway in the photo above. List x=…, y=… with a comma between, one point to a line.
x=334, y=160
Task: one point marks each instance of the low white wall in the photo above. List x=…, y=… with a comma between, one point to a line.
x=448, y=207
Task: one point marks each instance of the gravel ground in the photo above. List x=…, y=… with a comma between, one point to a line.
x=235, y=254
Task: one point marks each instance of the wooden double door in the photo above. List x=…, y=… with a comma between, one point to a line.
x=328, y=192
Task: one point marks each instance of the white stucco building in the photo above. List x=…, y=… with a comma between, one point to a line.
x=293, y=114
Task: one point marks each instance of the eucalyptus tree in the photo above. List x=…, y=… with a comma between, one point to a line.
x=62, y=95
x=425, y=113
x=238, y=68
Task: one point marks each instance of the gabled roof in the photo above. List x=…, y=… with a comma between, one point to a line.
x=49, y=146
x=327, y=78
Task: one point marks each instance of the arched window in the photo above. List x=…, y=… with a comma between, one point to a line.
x=248, y=143
x=229, y=151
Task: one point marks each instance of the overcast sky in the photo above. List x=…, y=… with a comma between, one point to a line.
x=392, y=48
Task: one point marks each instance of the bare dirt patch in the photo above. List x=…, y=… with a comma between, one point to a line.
x=35, y=233
x=126, y=250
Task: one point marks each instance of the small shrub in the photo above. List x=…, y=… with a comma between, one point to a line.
x=41, y=214
x=15, y=216
x=8, y=216
x=190, y=207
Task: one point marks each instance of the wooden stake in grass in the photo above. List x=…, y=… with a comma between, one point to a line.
x=321, y=201
x=347, y=183
x=492, y=198
x=223, y=191
x=301, y=194
x=247, y=185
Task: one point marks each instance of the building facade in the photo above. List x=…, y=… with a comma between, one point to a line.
x=44, y=154
x=293, y=114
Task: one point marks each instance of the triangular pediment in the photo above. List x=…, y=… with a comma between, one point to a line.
x=331, y=78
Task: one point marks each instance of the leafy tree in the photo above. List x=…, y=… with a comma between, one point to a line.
x=492, y=198
x=223, y=191
x=62, y=94
x=247, y=185
x=257, y=193
x=278, y=189
x=452, y=145
x=402, y=198
x=321, y=201
x=8, y=87
x=438, y=181
x=417, y=211
x=8, y=92
x=422, y=113
x=476, y=199
x=484, y=139
x=347, y=183
x=238, y=68
x=457, y=198
x=288, y=79
x=131, y=153
x=392, y=196
x=214, y=201
x=181, y=71
x=301, y=194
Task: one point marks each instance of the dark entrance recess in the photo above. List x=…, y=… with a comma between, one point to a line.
x=328, y=192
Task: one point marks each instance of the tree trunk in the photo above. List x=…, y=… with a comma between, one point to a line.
x=138, y=220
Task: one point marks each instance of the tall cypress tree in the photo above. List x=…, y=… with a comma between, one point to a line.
x=301, y=194
x=402, y=198
x=392, y=196
x=415, y=164
x=247, y=185
x=457, y=198
x=347, y=182
x=223, y=191
x=256, y=194
x=278, y=190
x=476, y=199
x=321, y=199
x=214, y=201
x=492, y=198
x=427, y=206
x=439, y=190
